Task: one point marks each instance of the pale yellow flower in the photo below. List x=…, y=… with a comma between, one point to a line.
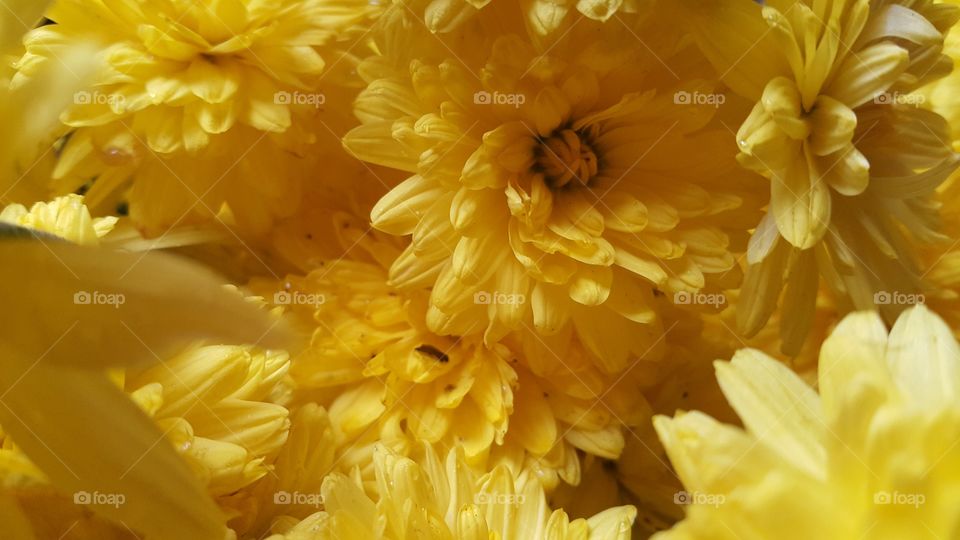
x=874, y=455
x=849, y=156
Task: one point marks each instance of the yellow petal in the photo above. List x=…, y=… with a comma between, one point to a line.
x=847, y=171
x=833, y=124
x=591, y=285
x=800, y=301
x=138, y=307
x=855, y=350
x=776, y=406
x=532, y=419
x=924, y=358
x=765, y=281
x=734, y=37
x=614, y=523
x=88, y=437
x=800, y=202
x=867, y=74
x=399, y=211
x=781, y=99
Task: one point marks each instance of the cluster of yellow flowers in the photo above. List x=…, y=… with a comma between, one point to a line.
x=479, y=269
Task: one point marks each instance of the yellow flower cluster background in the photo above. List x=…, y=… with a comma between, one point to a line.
x=479, y=269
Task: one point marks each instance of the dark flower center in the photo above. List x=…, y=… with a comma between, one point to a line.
x=566, y=157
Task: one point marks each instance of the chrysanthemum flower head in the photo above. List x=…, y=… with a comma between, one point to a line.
x=548, y=187
x=874, y=454
x=444, y=499
x=198, y=105
x=386, y=377
x=833, y=128
x=214, y=403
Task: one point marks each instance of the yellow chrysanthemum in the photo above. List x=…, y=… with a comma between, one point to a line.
x=214, y=403
x=549, y=187
x=199, y=104
x=437, y=500
x=386, y=378
x=178, y=73
x=874, y=454
x=849, y=155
